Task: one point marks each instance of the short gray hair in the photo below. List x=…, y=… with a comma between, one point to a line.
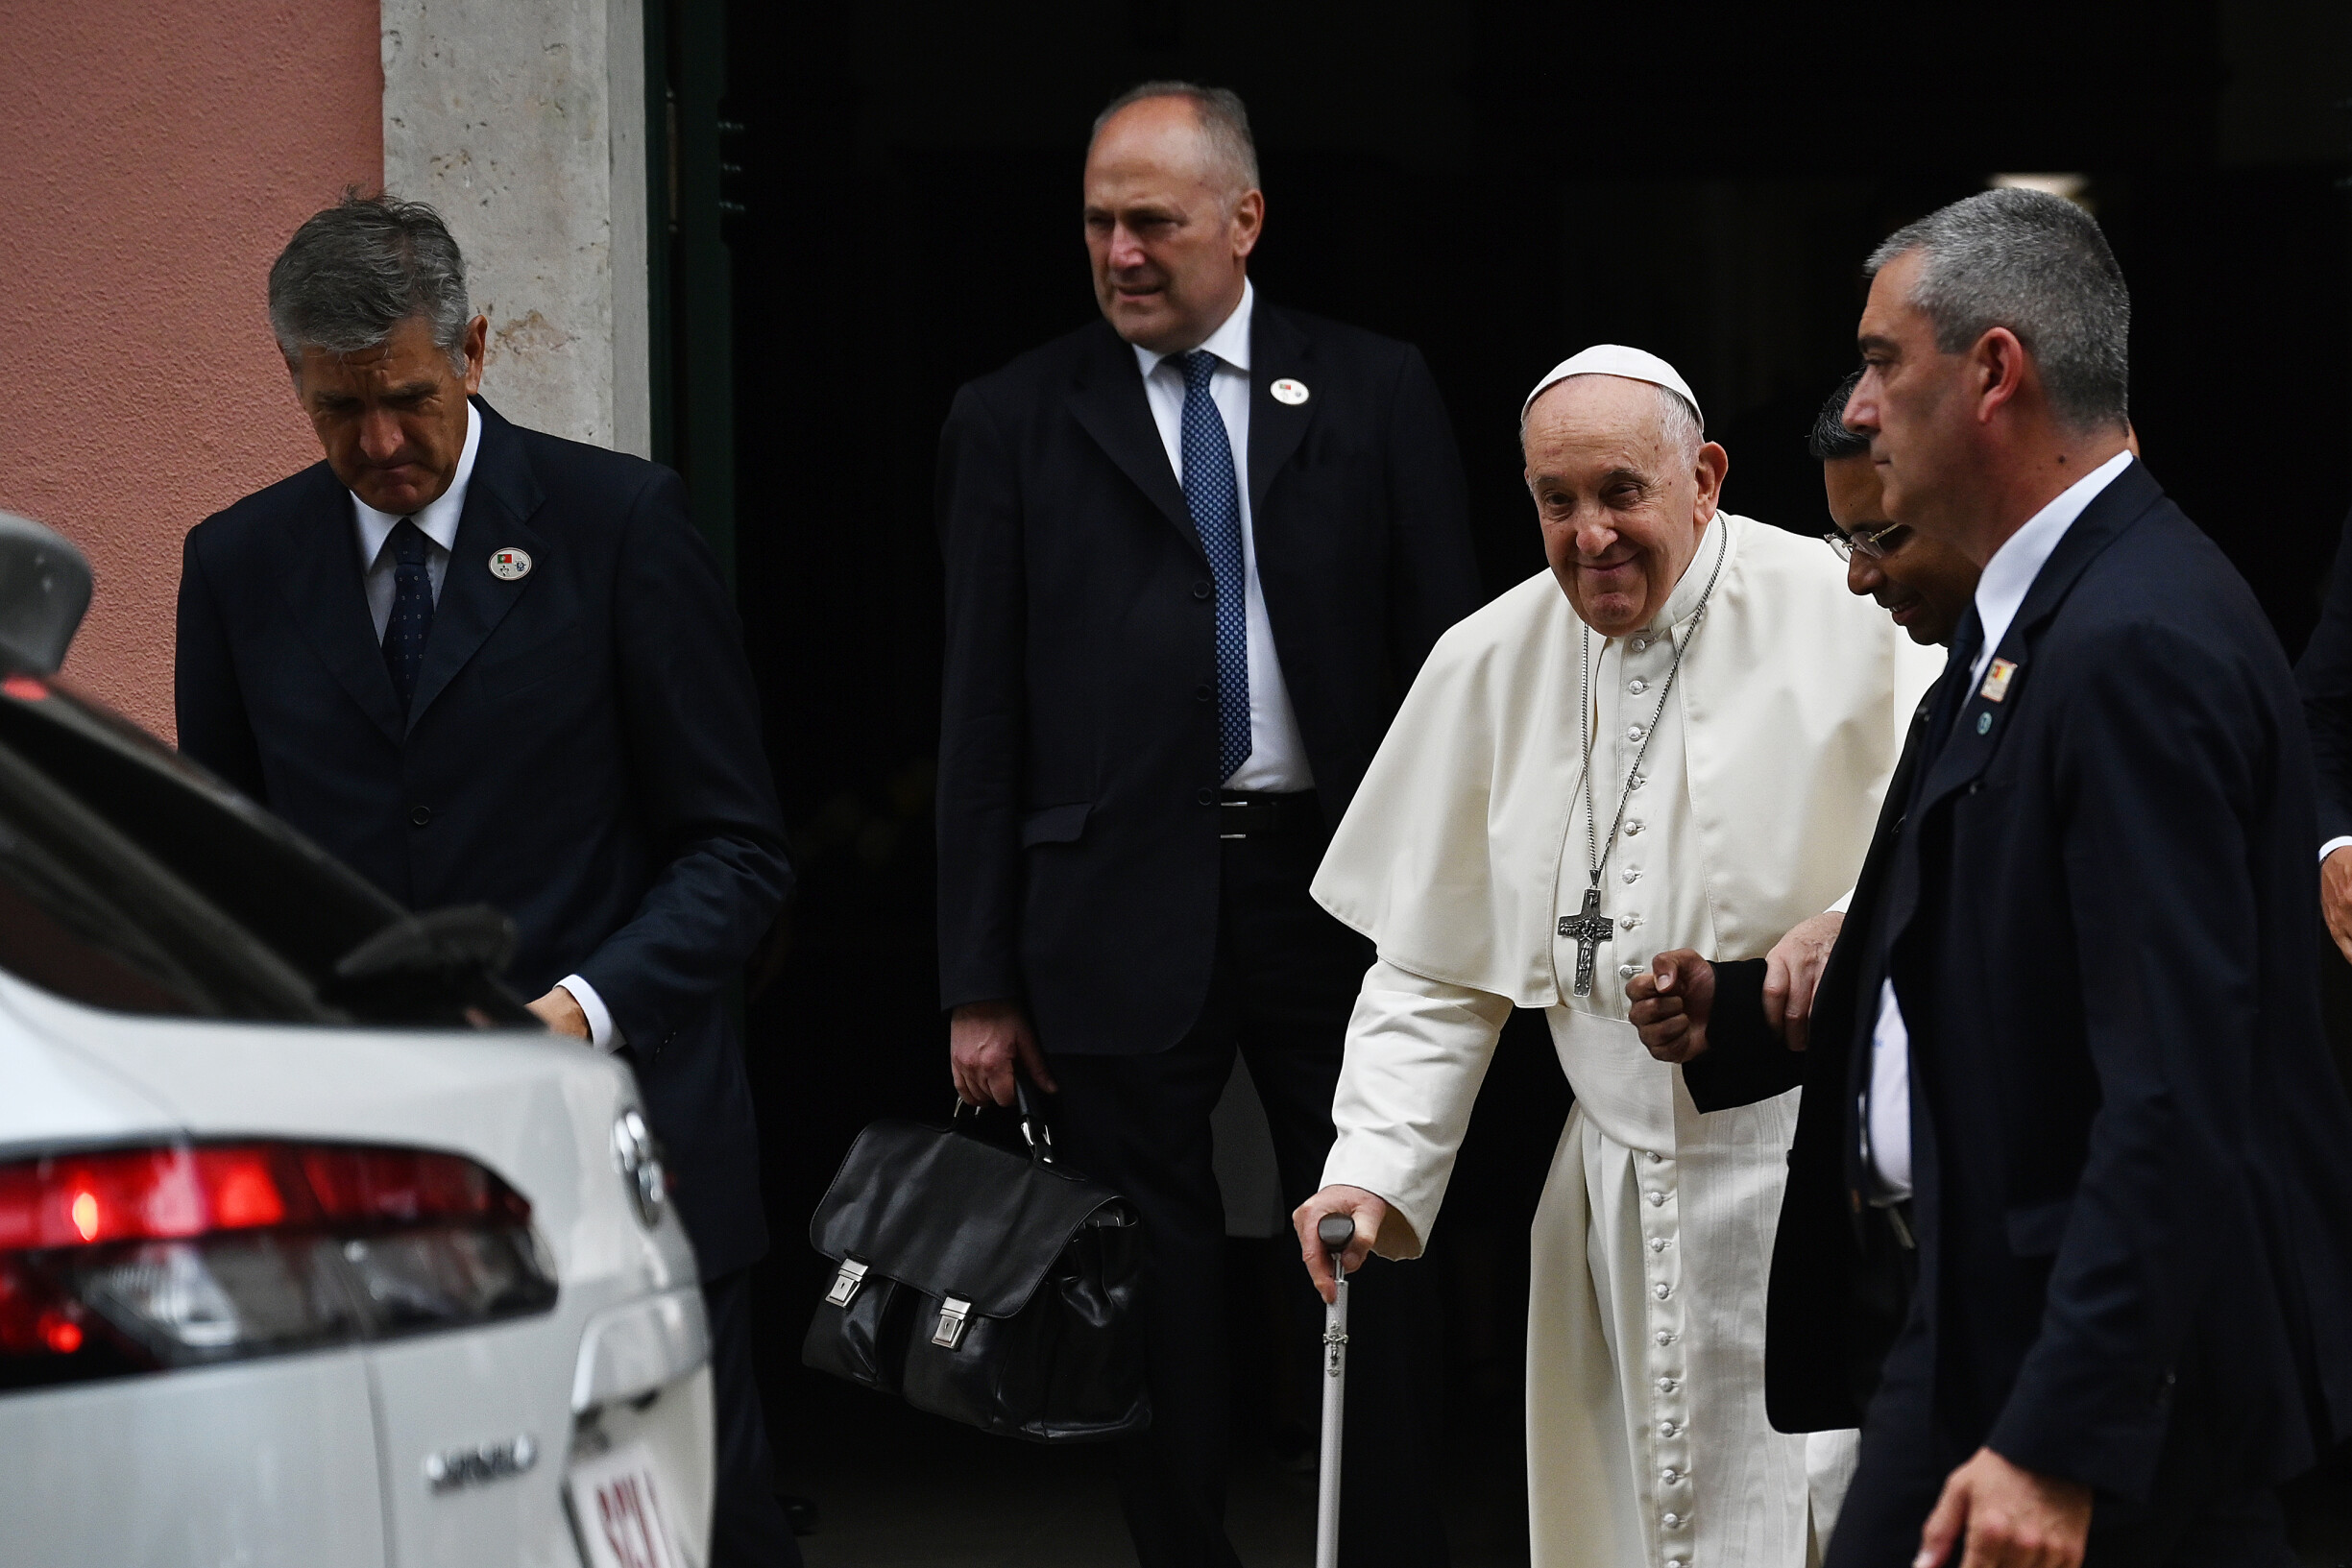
x=1678, y=423
x=1222, y=120
x=2038, y=265
x=353, y=272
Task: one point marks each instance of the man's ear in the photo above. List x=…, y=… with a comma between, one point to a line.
x=1713, y=464
x=478, y=352
x=1998, y=368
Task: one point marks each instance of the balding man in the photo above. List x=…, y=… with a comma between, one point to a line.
x=1196, y=552
x=1677, y=737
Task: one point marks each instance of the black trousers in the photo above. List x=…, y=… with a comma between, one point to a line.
x=1286, y=979
x=748, y=1529
x=1905, y=1458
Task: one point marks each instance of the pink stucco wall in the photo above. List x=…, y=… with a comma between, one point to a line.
x=155, y=154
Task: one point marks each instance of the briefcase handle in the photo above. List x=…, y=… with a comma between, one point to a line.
x=1033, y=1129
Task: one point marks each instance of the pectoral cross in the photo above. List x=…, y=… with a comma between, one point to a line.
x=1589, y=926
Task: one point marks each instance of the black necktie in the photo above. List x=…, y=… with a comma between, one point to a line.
x=412, y=610
x=1951, y=695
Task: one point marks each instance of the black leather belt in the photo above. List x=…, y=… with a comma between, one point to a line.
x=1243, y=813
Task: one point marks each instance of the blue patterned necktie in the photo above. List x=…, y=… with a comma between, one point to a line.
x=1215, y=501
x=412, y=610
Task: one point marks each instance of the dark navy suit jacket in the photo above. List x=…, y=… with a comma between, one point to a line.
x=2133, y=1159
x=1079, y=856
x=582, y=752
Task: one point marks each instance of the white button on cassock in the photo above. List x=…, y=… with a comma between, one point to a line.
x=1626, y=972
x=1669, y=1475
x=1633, y=731
x=1672, y=1521
x=1656, y=1200
x=1640, y=644
x=1668, y=1385
x=1657, y=1244
x=1661, y=1291
x=1637, y=685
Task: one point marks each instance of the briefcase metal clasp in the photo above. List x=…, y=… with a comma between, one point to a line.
x=952, y=1315
x=845, y=1283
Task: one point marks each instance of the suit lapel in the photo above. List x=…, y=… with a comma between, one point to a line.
x=1110, y=404
x=1976, y=733
x=326, y=595
x=1277, y=351
x=500, y=500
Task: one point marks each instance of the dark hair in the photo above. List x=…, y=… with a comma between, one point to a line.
x=1830, y=440
x=353, y=272
x=2038, y=265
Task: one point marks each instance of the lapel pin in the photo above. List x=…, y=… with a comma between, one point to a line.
x=1984, y=723
x=510, y=565
x=1997, y=681
x=1288, y=391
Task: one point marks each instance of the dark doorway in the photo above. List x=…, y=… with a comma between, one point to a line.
x=1499, y=183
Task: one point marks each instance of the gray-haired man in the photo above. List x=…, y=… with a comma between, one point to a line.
x=486, y=665
x=2087, y=1076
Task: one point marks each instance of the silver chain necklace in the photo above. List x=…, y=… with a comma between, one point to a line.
x=1588, y=925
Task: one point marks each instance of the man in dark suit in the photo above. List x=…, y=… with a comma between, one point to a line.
x=483, y=664
x=1195, y=554
x=2096, y=1093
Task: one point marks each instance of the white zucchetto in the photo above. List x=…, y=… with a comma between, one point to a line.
x=1616, y=359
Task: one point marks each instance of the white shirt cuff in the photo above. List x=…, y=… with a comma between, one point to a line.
x=602, y=1034
x=2332, y=845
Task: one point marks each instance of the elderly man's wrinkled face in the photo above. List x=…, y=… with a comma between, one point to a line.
x=1923, y=583
x=1169, y=237
x=1622, y=506
x=393, y=417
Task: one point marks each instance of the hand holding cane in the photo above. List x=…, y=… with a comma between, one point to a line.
x=1335, y=1231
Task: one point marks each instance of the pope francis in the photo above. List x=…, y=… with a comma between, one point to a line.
x=1678, y=736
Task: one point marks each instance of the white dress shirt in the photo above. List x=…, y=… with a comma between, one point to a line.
x=1277, y=760
x=2001, y=592
x=437, y=521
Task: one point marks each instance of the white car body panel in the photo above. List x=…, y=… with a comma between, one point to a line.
x=267, y=1463
x=321, y=1458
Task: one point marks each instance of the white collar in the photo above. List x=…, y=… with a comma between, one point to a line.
x=1692, y=587
x=2000, y=591
x=438, y=521
x=1229, y=343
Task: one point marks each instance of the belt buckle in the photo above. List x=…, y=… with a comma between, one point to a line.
x=1244, y=806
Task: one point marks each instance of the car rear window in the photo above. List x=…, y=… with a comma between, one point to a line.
x=132, y=879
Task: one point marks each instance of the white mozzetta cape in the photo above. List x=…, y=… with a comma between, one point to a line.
x=1794, y=699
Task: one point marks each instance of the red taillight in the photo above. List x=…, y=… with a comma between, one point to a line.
x=128, y=1260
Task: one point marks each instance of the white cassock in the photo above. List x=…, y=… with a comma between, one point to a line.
x=1647, y=1441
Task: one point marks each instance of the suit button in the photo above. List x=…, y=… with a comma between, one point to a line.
x=1203, y=591
x=1204, y=692
x=1206, y=797
x=421, y=814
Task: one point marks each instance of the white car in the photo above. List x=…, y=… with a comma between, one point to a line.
x=313, y=1250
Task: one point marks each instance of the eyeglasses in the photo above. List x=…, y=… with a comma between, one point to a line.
x=1877, y=543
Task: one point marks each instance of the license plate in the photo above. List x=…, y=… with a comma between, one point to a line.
x=624, y=1513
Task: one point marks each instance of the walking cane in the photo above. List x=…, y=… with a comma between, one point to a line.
x=1335, y=1231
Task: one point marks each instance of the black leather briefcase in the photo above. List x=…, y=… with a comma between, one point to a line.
x=992, y=1288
